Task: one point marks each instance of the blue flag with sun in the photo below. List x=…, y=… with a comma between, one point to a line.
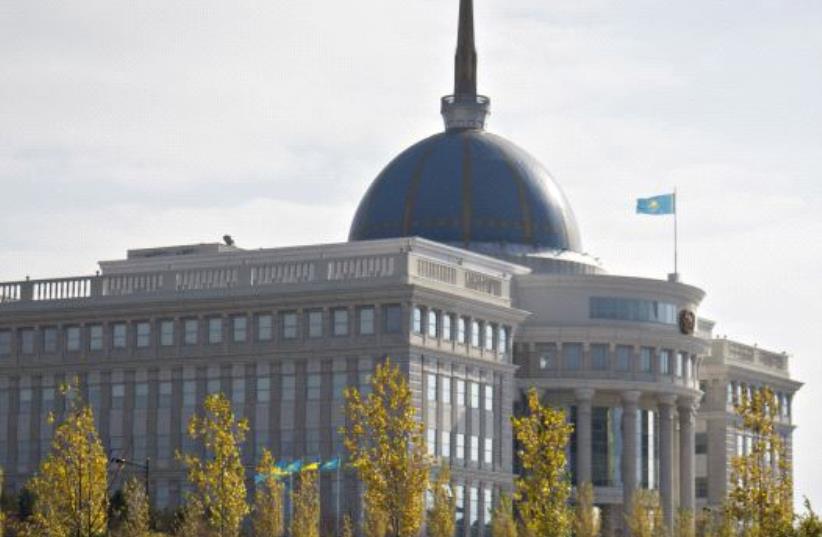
x=664, y=204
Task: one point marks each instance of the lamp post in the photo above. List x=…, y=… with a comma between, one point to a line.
x=145, y=467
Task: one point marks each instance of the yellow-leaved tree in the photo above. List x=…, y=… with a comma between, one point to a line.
x=133, y=514
x=347, y=527
x=71, y=483
x=586, y=519
x=442, y=515
x=761, y=495
x=543, y=488
x=267, y=518
x=644, y=518
x=218, y=481
x=385, y=444
x=502, y=520
x=306, y=500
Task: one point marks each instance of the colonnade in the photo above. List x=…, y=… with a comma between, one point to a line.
x=667, y=406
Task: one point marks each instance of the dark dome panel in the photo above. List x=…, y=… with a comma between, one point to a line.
x=470, y=189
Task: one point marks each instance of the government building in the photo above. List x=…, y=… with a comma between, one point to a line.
x=464, y=265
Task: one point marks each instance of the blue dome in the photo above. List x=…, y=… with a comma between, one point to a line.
x=471, y=189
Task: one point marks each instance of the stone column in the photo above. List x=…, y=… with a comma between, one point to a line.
x=584, y=396
x=630, y=449
x=665, y=407
x=687, y=409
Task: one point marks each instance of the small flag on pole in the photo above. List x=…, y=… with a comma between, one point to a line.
x=311, y=467
x=294, y=466
x=664, y=204
x=332, y=464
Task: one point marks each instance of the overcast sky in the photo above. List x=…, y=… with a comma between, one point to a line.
x=137, y=124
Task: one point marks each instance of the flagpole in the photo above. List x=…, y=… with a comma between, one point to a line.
x=676, y=237
x=339, y=493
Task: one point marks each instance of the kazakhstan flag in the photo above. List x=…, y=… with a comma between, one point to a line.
x=664, y=204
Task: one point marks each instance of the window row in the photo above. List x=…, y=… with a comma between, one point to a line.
x=448, y=389
x=289, y=325
x=740, y=391
x=439, y=445
x=452, y=327
x=649, y=360
x=630, y=309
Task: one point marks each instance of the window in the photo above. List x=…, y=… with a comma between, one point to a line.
x=488, y=450
x=473, y=513
x=190, y=331
x=366, y=315
x=73, y=338
x=340, y=322
x=5, y=342
x=460, y=446
x=445, y=443
x=433, y=323
x=166, y=333
x=289, y=388
x=215, y=330
x=689, y=366
x=489, y=398
x=460, y=392
x=164, y=392
x=731, y=393
x=265, y=327
x=446, y=327
x=431, y=388
x=315, y=323
x=263, y=390
x=119, y=335
x=340, y=382
x=475, y=397
x=636, y=310
x=416, y=320
x=700, y=443
x=502, y=345
x=475, y=334
x=141, y=395
x=445, y=389
x=431, y=441
x=646, y=359
x=27, y=341
x=238, y=391
x=623, y=356
x=118, y=395
x=679, y=368
x=289, y=325
x=49, y=339
x=459, y=500
x=143, y=334
x=313, y=385
x=474, y=448
x=25, y=400
x=393, y=318
x=701, y=487
x=461, y=330
x=239, y=328
x=547, y=357
x=489, y=337
x=572, y=356
x=599, y=357
x=665, y=362
x=213, y=386
x=488, y=507
x=189, y=393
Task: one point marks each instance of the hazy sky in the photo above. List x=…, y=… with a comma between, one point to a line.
x=136, y=124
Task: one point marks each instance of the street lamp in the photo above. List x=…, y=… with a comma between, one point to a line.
x=145, y=467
